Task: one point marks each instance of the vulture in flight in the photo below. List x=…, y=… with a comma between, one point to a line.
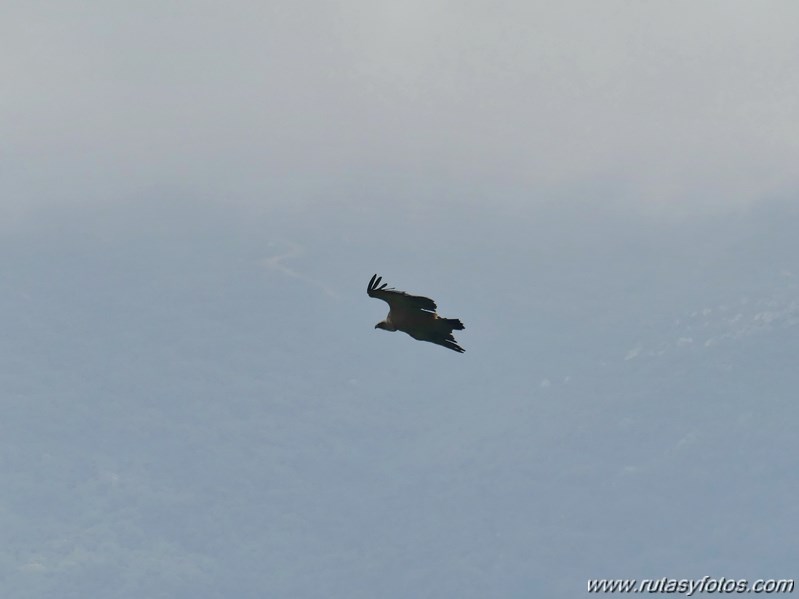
x=414, y=315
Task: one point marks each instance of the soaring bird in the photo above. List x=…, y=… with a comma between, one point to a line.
x=414, y=315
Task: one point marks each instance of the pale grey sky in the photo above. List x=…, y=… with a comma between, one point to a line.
x=193, y=196
x=678, y=105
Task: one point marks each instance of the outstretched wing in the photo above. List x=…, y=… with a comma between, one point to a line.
x=398, y=299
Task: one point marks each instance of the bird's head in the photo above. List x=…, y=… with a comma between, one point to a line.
x=385, y=326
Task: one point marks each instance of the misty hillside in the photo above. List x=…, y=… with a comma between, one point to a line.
x=196, y=403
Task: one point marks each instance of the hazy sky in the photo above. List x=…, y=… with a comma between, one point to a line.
x=194, y=194
x=677, y=104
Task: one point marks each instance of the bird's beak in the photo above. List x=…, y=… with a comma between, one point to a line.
x=377, y=326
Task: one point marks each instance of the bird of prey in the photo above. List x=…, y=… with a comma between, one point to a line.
x=414, y=315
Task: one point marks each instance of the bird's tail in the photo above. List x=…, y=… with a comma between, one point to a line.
x=454, y=324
